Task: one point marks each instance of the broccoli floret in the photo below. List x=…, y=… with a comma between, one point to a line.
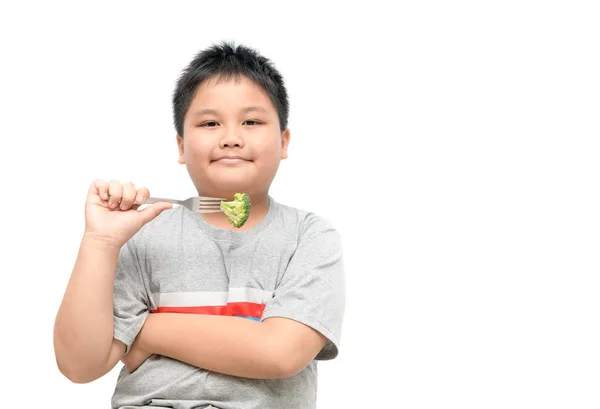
x=238, y=210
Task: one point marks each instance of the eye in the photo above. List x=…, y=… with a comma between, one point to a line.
x=252, y=122
x=210, y=124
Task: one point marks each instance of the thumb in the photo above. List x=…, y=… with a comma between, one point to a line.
x=153, y=211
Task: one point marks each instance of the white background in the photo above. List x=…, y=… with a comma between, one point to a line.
x=454, y=145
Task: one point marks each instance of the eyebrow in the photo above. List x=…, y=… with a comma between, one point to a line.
x=255, y=108
x=201, y=112
x=208, y=111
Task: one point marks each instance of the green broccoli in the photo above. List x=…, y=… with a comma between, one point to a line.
x=238, y=210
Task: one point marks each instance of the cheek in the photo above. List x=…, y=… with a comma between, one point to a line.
x=269, y=148
x=197, y=152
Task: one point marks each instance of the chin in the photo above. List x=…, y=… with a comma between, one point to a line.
x=226, y=185
x=231, y=179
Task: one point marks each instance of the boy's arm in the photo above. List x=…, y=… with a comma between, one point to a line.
x=83, y=334
x=88, y=338
x=274, y=348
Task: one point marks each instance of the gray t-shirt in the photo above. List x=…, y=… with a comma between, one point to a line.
x=290, y=265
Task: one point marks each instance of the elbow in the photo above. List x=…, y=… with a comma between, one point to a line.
x=77, y=370
x=79, y=379
x=289, y=368
x=287, y=365
x=74, y=374
x=77, y=366
x=286, y=359
x=287, y=371
x=70, y=367
x=82, y=374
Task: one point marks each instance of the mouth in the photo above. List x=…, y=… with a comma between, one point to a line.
x=231, y=160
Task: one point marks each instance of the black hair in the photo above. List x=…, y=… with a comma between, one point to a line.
x=226, y=61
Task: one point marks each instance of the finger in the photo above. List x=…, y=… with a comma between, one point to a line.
x=100, y=188
x=115, y=192
x=142, y=195
x=151, y=212
x=128, y=198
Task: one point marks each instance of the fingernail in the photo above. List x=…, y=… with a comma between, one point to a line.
x=138, y=199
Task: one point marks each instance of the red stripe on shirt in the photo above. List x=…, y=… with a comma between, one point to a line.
x=246, y=309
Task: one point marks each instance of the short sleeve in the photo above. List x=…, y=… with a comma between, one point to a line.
x=312, y=289
x=130, y=301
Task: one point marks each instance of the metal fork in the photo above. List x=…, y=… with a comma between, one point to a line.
x=197, y=204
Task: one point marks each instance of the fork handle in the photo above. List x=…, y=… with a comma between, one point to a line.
x=152, y=200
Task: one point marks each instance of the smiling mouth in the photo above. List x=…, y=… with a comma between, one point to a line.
x=231, y=161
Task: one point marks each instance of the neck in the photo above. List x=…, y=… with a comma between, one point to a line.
x=258, y=211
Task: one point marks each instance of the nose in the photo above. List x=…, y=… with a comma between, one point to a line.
x=231, y=140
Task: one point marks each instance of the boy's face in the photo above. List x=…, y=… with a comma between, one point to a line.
x=232, y=139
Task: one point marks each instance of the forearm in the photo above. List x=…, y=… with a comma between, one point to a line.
x=228, y=345
x=83, y=332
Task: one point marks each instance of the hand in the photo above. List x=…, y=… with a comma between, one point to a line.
x=135, y=358
x=111, y=211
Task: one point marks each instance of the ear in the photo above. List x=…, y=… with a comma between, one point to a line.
x=285, y=142
x=181, y=159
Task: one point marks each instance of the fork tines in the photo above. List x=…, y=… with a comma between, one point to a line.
x=209, y=204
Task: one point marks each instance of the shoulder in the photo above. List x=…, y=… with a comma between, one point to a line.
x=307, y=224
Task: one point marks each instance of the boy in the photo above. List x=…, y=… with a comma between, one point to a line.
x=203, y=314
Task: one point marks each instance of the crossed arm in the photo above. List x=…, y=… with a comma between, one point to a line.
x=274, y=348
